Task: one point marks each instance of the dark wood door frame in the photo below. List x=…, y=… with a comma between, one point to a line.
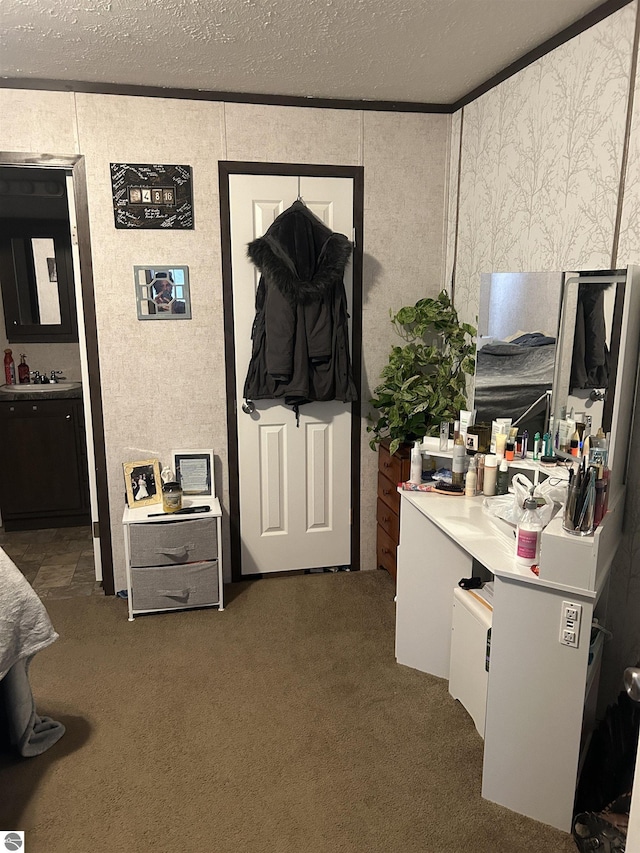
x=356, y=173
x=75, y=165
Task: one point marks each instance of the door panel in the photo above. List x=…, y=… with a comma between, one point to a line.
x=294, y=482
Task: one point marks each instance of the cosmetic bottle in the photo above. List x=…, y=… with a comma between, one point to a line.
x=509, y=450
x=525, y=444
x=528, y=533
x=501, y=442
x=479, y=473
x=457, y=462
x=9, y=368
x=23, y=370
x=471, y=481
x=416, y=464
x=490, y=474
x=536, y=447
x=502, y=479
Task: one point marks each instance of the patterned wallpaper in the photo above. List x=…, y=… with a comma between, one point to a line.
x=163, y=385
x=539, y=190
x=541, y=157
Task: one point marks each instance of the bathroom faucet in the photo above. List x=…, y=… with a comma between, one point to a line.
x=54, y=375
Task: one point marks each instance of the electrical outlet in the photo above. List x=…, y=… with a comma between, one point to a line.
x=570, y=616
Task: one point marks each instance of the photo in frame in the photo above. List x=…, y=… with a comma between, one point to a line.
x=143, y=483
x=194, y=472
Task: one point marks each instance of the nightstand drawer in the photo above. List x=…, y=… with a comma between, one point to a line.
x=161, y=587
x=386, y=550
x=169, y=543
x=388, y=520
x=388, y=492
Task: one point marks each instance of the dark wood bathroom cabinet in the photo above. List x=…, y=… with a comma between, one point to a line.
x=43, y=463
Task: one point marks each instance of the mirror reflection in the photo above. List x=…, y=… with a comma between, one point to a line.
x=37, y=281
x=162, y=293
x=516, y=347
x=587, y=360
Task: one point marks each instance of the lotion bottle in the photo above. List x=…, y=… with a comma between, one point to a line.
x=415, y=476
x=528, y=534
x=470, y=484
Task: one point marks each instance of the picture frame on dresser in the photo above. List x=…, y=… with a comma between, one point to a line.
x=194, y=471
x=142, y=482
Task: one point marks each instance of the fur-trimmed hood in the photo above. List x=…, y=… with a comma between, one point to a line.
x=301, y=256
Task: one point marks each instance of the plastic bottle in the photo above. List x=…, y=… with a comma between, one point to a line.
x=415, y=475
x=536, y=447
x=502, y=480
x=528, y=533
x=23, y=370
x=9, y=368
x=480, y=473
x=457, y=462
x=490, y=474
x=470, y=484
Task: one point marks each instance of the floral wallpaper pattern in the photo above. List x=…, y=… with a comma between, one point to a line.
x=542, y=155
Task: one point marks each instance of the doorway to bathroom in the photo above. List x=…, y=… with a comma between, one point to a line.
x=52, y=320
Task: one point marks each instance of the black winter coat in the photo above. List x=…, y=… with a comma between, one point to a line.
x=300, y=350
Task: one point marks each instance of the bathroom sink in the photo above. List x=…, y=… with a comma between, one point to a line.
x=51, y=388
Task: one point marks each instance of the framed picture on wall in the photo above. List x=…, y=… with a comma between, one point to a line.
x=142, y=482
x=194, y=472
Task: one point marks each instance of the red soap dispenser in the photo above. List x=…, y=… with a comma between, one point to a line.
x=23, y=370
x=9, y=368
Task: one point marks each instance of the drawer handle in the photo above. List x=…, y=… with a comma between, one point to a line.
x=386, y=551
x=176, y=552
x=385, y=518
x=386, y=491
x=386, y=464
x=175, y=593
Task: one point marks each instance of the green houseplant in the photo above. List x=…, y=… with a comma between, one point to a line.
x=424, y=381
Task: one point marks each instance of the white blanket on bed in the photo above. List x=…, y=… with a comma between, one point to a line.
x=25, y=627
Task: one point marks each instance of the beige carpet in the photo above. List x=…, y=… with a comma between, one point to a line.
x=282, y=725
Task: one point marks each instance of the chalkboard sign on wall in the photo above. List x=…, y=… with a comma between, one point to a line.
x=152, y=196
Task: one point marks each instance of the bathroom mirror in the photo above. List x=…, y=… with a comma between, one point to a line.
x=36, y=278
x=518, y=321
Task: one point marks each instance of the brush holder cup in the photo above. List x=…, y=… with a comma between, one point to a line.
x=578, y=516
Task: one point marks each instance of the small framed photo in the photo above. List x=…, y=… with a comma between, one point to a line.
x=194, y=472
x=143, y=483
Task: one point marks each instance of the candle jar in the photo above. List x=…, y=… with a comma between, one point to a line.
x=171, y=496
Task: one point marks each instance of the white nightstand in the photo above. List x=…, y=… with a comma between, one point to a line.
x=173, y=561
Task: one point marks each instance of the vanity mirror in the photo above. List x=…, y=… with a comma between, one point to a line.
x=516, y=346
x=556, y=344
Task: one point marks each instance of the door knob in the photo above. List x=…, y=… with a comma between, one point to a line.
x=248, y=407
x=632, y=682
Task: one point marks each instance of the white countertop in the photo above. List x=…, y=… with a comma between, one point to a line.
x=490, y=540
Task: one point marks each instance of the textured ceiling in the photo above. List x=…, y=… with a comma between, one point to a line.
x=432, y=51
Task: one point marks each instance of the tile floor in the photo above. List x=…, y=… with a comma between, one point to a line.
x=58, y=563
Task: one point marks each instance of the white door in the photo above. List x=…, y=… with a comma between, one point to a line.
x=295, y=482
